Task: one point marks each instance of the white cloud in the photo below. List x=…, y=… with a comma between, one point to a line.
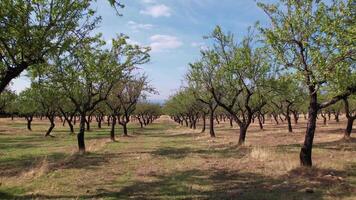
x=160, y=10
x=164, y=42
x=137, y=26
x=200, y=45
x=133, y=42
x=148, y=1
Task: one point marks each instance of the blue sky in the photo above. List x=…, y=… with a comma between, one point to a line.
x=174, y=29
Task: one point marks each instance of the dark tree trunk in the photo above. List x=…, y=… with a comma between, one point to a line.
x=296, y=117
x=124, y=125
x=306, y=150
x=29, y=121
x=71, y=128
x=80, y=135
x=242, y=136
x=350, y=120
x=112, y=132
x=348, y=129
x=289, y=123
x=51, y=119
x=281, y=118
x=337, y=116
x=204, y=123
x=260, y=122
x=99, y=122
x=211, y=124
x=231, y=124
x=324, y=118
x=275, y=118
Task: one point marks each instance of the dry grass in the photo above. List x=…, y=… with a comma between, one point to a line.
x=166, y=161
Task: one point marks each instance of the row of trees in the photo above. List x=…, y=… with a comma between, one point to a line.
x=74, y=73
x=303, y=62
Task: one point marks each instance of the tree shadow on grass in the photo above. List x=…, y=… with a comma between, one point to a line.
x=209, y=184
x=20, y=165
x=182, y=152
x=337, y=145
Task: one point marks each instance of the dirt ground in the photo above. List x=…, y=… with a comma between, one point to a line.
x=167, y=161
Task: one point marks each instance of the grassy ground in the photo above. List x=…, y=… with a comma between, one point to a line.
x=165, y=161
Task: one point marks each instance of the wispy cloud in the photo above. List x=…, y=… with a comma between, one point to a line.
x=164, y=42
x=160, y=10
x=200, y=45
x=138, y=26
x=148, y=1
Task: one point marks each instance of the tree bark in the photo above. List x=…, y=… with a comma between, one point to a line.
x=51, y=119
x=290, y=129
x=242, y=136
x=204, y=123
x=211, y=124
x=306, y=150
x=80, y=136
x=112, y=132
x=29, y=121
x=124, y=125
x=260, y=122
x=88, y=123
x=350, y=120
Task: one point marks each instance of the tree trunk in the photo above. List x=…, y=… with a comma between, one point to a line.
x=290, y=130
x=231, y=124
x=204, y=123
x=348, y=129
x=306, y=150
x=350, y=120
x=211, y=124
x=243, y=130
x=51, y=119
x=324, y=118
x=80, y=135
x=275, y=118
x=296, y=117
x=125, y=129
x=29, y=121
x=141, y=124
x=337, y=116
x=112, y=132
x=71, y=128
x=260, y=122
x=99, y=122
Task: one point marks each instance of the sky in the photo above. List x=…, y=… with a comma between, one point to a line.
x=174, y=30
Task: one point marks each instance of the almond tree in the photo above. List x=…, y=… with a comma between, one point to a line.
x=28, y=106
x=312, y=40
x=87, y=77
x=199, y=77
x=123, y=99
x=240, y=74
